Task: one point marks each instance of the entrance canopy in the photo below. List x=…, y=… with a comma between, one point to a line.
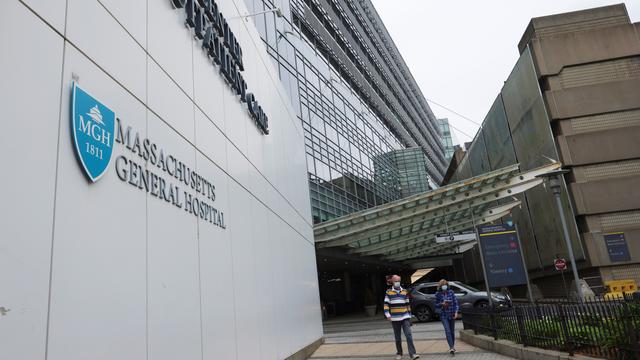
x=405, y=230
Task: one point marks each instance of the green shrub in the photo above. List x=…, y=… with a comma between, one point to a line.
x=607, y=329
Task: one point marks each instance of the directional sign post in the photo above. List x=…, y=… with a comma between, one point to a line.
x=456, y=236
x=502, y=258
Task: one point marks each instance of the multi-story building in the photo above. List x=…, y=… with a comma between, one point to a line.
x=356, y=100
x=447, y=138
x=370, y=135
x=573, y=96
x=154, y=181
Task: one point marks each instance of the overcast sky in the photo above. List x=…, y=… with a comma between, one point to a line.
x=461, y=52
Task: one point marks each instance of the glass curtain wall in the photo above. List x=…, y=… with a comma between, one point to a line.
x=447, y=138
x=408, y=172
x=342, y=133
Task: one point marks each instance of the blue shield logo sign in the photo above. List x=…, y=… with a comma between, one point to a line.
x=93, y=132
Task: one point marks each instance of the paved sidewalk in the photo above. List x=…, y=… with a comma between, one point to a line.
x=359, y=337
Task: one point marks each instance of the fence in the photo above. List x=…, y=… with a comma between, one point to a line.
x=600, y=327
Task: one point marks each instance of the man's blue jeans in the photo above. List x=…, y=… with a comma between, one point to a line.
x=449, y=329
x=404, y=325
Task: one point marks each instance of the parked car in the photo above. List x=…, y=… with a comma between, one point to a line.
x=423, y=298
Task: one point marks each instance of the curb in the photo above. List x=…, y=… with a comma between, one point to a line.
x=518, y=351
x=306, y=351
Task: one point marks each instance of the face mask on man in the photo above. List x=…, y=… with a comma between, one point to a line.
x=396, y=284
x=445, y=287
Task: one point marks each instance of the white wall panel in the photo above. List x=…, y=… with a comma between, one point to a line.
x=98, y=295
x=281, y=283
x=208, y=87
x=170, y=42
x=268, y=161
x=257, y=184
x=173, y=283
x=169, y=102
x=236, y=119
x=256, y=146
x=263, y=153
x=263, y=279
x=52, y=11
x=93, y=30
x=298, y=266
x=130, y=13
x=280, y=157
x=210, y=140
x=253, y=74
x=247, y=316
x=237, y=165
x=30, y=101
x=216, y=274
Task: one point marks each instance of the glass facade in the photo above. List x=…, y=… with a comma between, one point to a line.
x=355, y=116
x=409, y=174
x=447, y=138
x=517, y=130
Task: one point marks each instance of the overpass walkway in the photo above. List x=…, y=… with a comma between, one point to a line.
x=359, y=337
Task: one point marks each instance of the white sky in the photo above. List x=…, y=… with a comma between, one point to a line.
x=461, y=52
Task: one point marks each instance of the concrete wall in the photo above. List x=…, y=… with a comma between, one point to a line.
x=587, y=69
x=588, y=63
x=105, y=271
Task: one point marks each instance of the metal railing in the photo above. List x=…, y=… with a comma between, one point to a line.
x=606, y=328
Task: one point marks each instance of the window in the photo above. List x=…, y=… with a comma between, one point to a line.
x=428, y=290
x=457, y=290
x=469, y=288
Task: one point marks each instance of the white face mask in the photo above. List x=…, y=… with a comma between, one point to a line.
x=445, y=287
x=396, y=284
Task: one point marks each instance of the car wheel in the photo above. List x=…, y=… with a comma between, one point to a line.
x=482, y=304
x=424, y=313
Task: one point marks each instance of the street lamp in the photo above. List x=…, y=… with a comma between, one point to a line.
x=554, y=180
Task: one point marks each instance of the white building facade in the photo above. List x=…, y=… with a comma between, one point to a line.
x=190, y=236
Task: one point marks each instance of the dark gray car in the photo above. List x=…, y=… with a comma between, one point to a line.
x=423, y=298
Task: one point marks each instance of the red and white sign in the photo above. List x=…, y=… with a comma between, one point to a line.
x=560, y=264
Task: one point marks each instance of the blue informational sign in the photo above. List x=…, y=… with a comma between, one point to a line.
x=617, y=247
x=502, y=255
x=93, y=132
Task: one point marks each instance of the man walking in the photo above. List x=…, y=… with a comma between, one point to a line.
x=398, y=311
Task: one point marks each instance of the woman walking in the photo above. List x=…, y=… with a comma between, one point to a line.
x=447, y=307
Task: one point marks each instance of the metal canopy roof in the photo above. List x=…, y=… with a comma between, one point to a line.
x=405, y=229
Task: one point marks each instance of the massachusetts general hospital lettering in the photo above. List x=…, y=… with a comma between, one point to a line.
x=136, y=174
x=93, y=126
x=221, y=46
